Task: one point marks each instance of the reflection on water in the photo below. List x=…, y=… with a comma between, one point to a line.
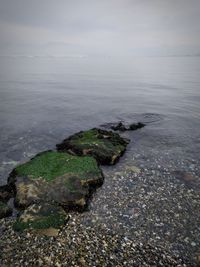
x=44, y=100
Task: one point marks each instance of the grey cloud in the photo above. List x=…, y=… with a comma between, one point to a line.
x=106, y=25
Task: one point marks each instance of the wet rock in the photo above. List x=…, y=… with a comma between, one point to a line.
x=29, y=191
x=67, y=190
x=75, y=194
x=135, y=126
x=5, y=193
x=119, y=127
x=42, y=218
x=198, y=259
x=133, y=169
x=189, y=179
x=5, y=211
x=105, y=146
x=126, y=170
x=55, y=177
x=132, y=127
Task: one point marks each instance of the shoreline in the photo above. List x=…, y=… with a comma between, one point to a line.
x=89, y=235
x=151, y=208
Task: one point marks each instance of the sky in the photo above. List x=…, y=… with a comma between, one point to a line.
x=99, y=27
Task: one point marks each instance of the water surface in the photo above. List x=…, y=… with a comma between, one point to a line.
x=43, y=100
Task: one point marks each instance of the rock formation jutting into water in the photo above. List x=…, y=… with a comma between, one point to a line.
x=52, y=183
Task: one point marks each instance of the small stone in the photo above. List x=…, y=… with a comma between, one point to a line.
x=193, y=244
x=82, y=261
x=198, y=258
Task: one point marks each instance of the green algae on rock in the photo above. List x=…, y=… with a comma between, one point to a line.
x=105, y=146
x=55, y=177
x=5, y=211
x=41, y=217
x=51, y=164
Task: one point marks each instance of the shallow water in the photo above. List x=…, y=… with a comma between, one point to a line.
x=43, y=100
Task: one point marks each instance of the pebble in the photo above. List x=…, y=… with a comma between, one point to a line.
x=143, y=218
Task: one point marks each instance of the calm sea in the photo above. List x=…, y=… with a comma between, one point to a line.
x=43, y=100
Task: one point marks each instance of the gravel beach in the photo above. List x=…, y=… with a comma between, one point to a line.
x=145, y=214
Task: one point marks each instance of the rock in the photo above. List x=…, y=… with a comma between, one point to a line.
x=132, y=127
x=55, y=177
x=76, y=192
x=198, y=259
x=5, y=193
x=105, y=146
x=133, y=169
x=135, y=126
x=5, y=211
x=82, y=262
x=42, y=218
x=189, y=179
x=119, y=127
x=29, y=191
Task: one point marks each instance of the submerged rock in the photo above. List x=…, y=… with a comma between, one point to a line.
x=133, y=169
x=55, y=177
x=105, y=146
x=188, y=178
x=135, y=126
x=122, y=127
x=119, y=127
x=42, y=218
x=6, y=193
x=5, y=210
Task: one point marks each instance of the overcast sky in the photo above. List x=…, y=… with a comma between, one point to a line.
x=99, y=26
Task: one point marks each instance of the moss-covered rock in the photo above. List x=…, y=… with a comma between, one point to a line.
x=38, y=217
x=55, y=177
x=5, y=211
x=50, y=164
x=105, y=146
